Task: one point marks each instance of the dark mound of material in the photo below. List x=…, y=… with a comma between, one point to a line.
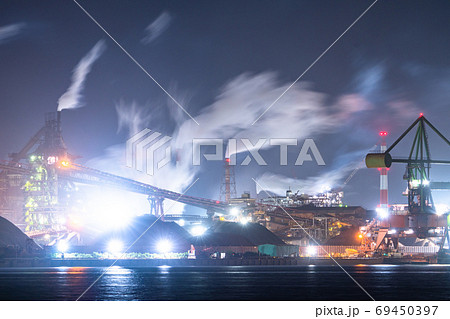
x=236, y=234
x=13, y=242
x=179, y=238
x=348, y=237
x=222, y=239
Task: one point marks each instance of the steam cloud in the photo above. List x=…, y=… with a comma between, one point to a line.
x=278, y=184
x=71, y=98
x=298, y=114
x=334, y=178
x=157, y=27
x=131, y=117
x=10, y=31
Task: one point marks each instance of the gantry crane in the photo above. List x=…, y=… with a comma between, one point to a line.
x=421, y=220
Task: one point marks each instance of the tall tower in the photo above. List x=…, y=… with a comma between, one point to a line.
x=228, y=187
x=45, y=195
x=383, y=177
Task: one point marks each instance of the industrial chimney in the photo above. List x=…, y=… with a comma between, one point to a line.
x=383, y=177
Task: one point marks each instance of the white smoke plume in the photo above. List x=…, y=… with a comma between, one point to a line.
x=157, y=27
x=300, y=113
x=175, y=176
x=335, y=178
x=278, y=184
x=71, y=98
x=9, y=31
x=131, y=117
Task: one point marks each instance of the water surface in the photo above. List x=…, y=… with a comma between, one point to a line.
x=383, y=282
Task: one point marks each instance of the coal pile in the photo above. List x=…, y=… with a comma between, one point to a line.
x=179, y=239
x=13, y=242
x=236, y=234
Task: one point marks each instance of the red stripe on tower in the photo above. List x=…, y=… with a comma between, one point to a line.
x=383, y=176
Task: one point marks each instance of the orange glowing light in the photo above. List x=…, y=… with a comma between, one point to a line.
x=65, y=163
x=360, y=236
x=74, y=223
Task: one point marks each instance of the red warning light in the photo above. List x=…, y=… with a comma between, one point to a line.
x=227, y=160
x=421, y=114
x=383, y=133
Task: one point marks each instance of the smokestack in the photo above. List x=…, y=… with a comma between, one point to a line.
x=228, y=187
x=58, y=121
x=383, y=177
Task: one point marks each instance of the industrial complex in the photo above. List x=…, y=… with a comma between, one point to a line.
x=42, y=214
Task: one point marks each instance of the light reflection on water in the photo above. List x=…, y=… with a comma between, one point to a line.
x=384, y=282
x=117, y=270
x=71, y=270
x=164, y=269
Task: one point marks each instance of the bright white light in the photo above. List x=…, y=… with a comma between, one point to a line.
x=392, y=231
x=382, y=212
x=324, y=188
x=441, y=209
x=115, y=246
x=409, y=231
x=234, y=211
x=415, y=183
x=164, y=267
x=425, y=182
x=164, y=246
x=312, y=250
x=63, y=246
x=198, y=230
x=245, y=220
x=62, y=220
x=109, y=209
x=181, y=222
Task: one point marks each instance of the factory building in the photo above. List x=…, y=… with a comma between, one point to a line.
x=301, y=218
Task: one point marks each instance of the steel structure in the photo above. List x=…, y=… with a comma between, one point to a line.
x=421, y=219
x=82, y=174
x=36, y=182
x=228, y=187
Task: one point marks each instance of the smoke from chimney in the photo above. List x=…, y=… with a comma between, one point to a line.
x=71, y=98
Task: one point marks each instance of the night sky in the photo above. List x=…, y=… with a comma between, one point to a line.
x=226, y=60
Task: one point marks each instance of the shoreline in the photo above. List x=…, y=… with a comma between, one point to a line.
x=297, y=261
